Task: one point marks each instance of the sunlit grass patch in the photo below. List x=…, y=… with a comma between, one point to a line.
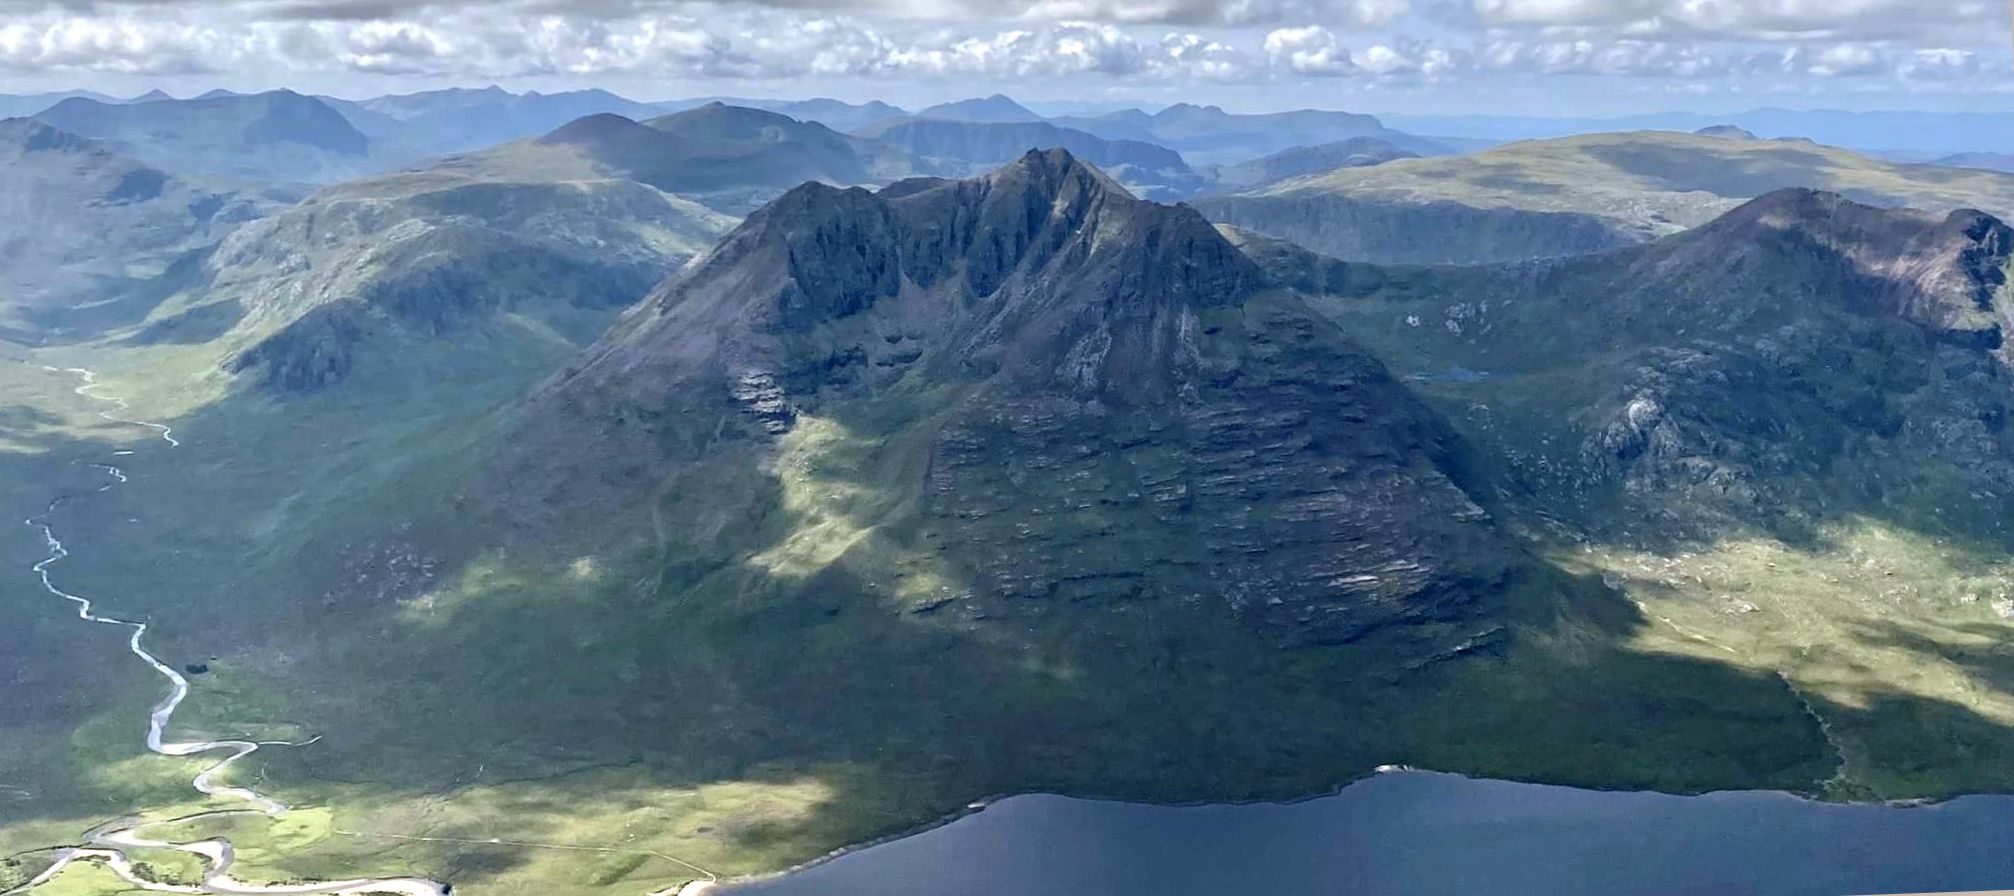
x=1870, y=619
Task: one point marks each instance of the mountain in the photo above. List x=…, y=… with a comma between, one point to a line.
x=1357, y=152
x=1727, y=131
x=1766, y=370
x=1779, y=436
x=730, y=157
x=995, y=108
x=830, y=414
x=274, y=136
x=459, y=120
x=79, y=222
x=1148, y=170
x=23, y=105
x=1919, y=133
x=1208, y=134
x=837, y=115
x=1985, y=161
x=531, y=247
x=1574, y=195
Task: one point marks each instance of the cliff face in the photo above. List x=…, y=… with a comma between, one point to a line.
x=1098, y=399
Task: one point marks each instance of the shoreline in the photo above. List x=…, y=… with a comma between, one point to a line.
x=977, y=806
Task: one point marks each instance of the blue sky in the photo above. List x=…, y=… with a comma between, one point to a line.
x=1529, y=57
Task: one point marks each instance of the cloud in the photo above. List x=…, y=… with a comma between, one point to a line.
x=1214, y=13
x=1637, y=58
x=1939, y=64
x=700, y=42
x=1311, y=50
x=1975, y=21
x=1846, y=60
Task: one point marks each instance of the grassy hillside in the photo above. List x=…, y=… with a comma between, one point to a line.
x=1576, y=195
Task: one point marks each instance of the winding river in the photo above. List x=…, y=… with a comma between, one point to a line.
x=110, y=842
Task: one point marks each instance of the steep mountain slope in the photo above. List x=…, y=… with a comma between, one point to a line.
x=1208, y=134
x=275, y=136
x=1148, y=170
x=996, y=108
x=1574, y=196
x=730, y=157
x=1357, y=152
x=79, y=222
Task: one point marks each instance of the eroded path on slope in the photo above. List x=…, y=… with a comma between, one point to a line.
x=111, y=842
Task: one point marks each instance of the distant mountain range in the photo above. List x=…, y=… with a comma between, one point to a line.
x=1208, y=134
x=1924, y=135
x=1575, y=195
x=1149, y=170
x=278, y=136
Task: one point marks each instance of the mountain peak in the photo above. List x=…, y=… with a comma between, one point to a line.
x=1048, y=170
x=1047, y=218
x=997, y=107
x=598, y=130
x=1945, y=272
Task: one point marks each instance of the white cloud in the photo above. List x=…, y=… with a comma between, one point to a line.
x=691, y=43
x=1641, y=58
x=1939, y=64
x=1310, y=50
x=1846, y=60
x=1405, y=57
x=1975, y=21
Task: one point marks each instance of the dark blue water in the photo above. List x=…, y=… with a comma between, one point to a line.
x=1418, y=834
